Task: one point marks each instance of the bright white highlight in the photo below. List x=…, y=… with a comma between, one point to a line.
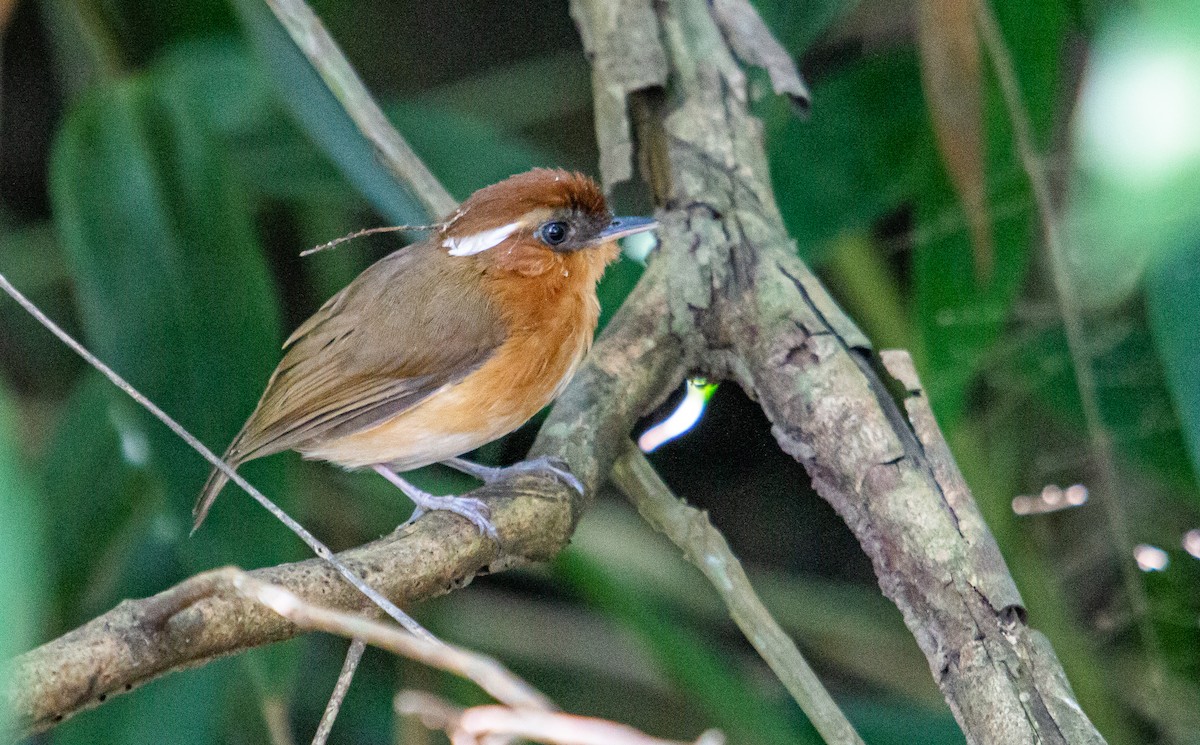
x=1052, y=499
x=1139, y=117
x=1150, y=558
x=1191, y=542
x=135, y=447
x=472, y=244
x=682, y=419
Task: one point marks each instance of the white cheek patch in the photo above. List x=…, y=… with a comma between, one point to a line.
x=469, y=245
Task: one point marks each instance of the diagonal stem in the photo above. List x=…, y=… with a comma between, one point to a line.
x=1073, y=325
x=349, y=667
x=705, y=547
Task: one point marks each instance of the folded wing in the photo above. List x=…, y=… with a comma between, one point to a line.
x=405, y=328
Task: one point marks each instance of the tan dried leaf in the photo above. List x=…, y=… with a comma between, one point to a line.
x=952, y=78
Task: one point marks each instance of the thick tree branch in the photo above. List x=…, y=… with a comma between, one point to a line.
x=769, y=324
x=186, y=626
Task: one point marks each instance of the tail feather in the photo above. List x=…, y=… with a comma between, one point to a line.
x=208, y=495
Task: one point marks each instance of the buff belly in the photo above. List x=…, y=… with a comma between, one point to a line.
x=486, y=405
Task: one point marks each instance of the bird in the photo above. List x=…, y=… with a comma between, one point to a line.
x=447, y=344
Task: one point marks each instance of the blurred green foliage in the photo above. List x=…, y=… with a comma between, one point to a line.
x=21, y=551
x=194, y=154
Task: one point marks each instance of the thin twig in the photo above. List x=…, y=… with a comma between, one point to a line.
x=362, y=233
x=331, y=64
x=488, y=674
x=353, y=657
x=704, y=546
x=488, y=724
x=1073, y=324
x=317, y=547
x=525, y=712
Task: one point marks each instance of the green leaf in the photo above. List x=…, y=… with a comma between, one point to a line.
x=173, y=290
x=1134, y=400
x=94, y=467
x=271, y=157
x=861, y=154
x=960, y=317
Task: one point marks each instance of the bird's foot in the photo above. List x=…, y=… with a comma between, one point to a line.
x=543, y=464
x=473, y=509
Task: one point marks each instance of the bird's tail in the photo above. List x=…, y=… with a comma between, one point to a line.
x=212, y=487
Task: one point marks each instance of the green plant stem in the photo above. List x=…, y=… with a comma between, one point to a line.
x=1098, y=433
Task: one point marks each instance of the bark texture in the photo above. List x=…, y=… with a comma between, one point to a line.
x=767, y=323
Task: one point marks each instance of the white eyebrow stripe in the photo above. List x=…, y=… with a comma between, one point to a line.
x=479, y=242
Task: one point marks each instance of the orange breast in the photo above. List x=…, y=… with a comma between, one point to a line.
x=550, y=332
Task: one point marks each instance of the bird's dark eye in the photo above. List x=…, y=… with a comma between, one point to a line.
x=553, y=233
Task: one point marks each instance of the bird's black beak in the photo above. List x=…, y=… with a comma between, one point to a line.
x=623, y=226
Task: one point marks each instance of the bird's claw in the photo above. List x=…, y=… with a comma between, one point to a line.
x=545, y=464
x=473, y=509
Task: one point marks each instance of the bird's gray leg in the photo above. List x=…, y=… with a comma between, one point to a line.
x=488, y=474
x=472, y=509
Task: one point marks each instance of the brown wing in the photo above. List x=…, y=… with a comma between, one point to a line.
x=410, y=324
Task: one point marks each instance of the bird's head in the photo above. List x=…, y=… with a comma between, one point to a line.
x=539, y=221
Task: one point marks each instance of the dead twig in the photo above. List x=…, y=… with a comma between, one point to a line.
x=705, y=547
x=345, y=677
x=488, y=725
x=485, y=672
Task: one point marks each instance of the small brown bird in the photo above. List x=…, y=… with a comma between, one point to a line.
x=445, y=345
